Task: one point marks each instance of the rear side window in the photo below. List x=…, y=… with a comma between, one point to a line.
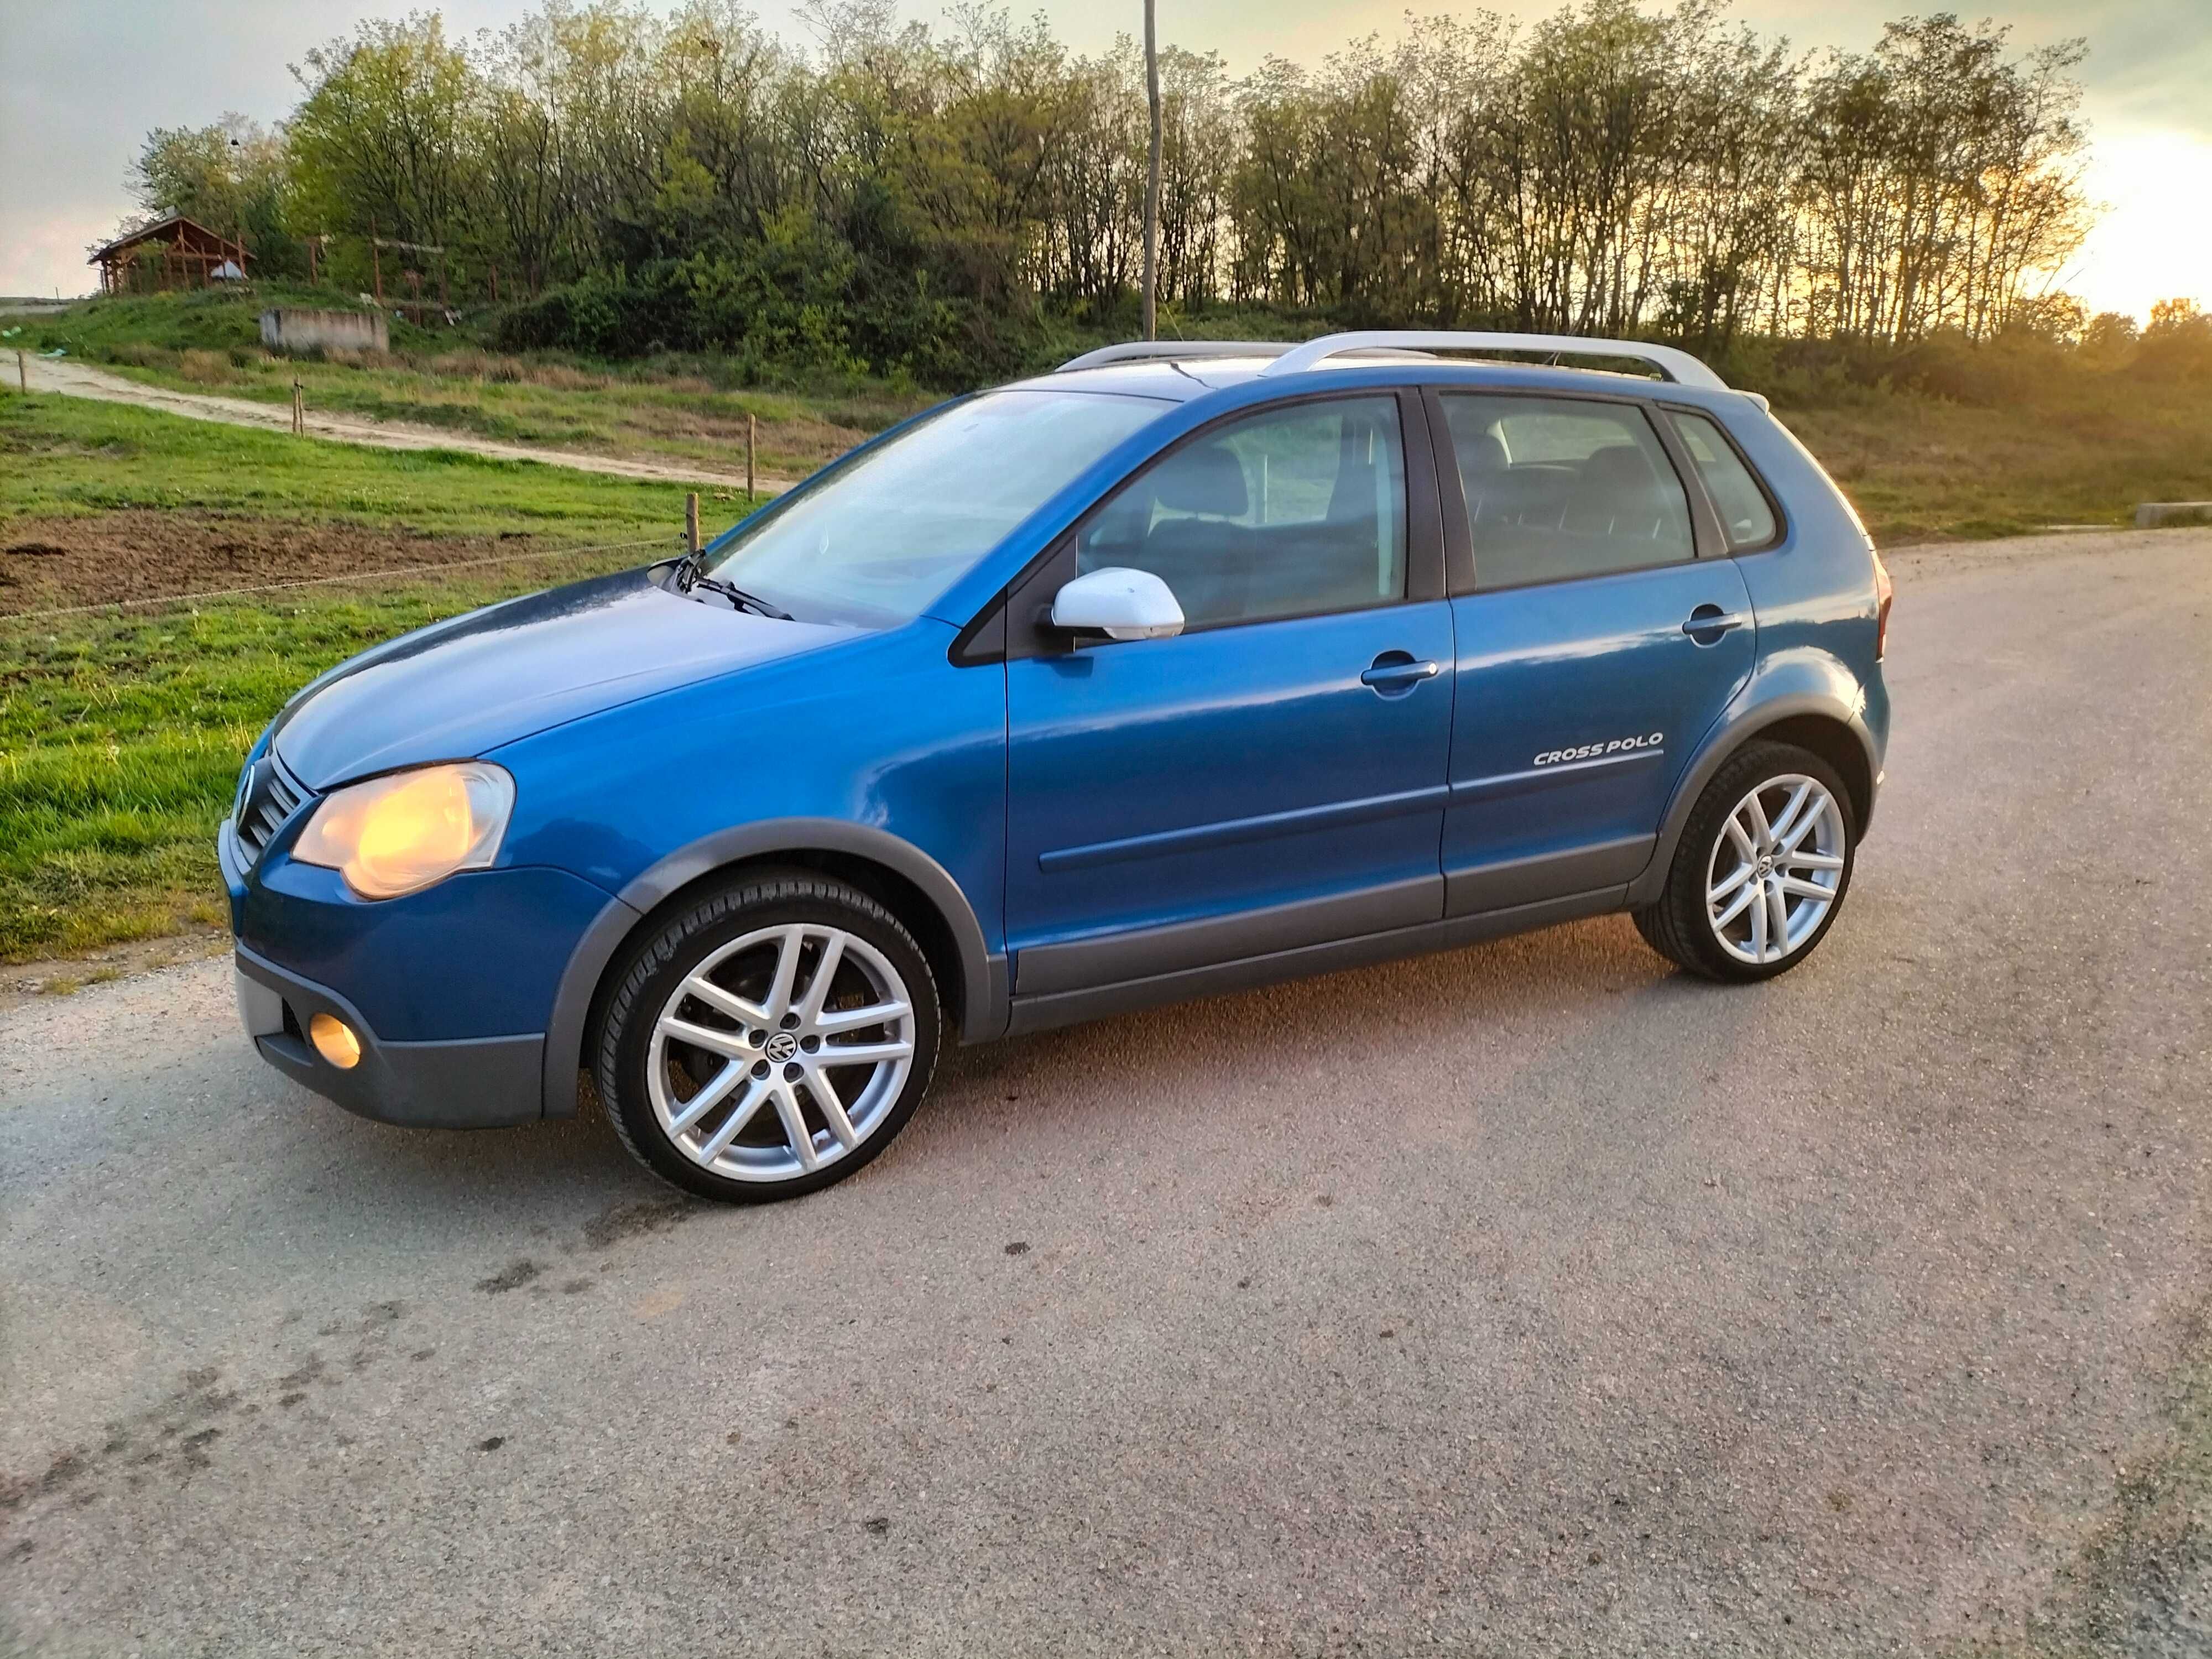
x=1745, y=518
x=1558, y=488
x=1286, y=512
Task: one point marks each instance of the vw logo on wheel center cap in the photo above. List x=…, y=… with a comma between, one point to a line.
x=782, y=1045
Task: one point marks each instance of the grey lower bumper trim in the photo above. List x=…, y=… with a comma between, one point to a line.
x=478, y=1083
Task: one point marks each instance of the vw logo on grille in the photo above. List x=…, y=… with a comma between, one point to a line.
x=782, y=1045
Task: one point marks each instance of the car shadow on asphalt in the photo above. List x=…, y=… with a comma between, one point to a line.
x=1129, y=1076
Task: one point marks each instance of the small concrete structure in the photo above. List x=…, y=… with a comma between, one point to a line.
x=2150, y=514
x=292, y=328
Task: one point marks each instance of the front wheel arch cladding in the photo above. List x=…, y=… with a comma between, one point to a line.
x=977, y=990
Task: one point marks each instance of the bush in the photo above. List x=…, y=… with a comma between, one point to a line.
x=2006, y=371
x=204, y=368
x=138, y=355
x=2178, y=344
x=797, y=298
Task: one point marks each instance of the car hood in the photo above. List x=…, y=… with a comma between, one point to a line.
x=459, y=688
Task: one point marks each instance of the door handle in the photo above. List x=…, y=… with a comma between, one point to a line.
x=1709, y=622
x=1395, y=671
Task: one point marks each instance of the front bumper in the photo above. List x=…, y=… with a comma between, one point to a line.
x=480, y=1083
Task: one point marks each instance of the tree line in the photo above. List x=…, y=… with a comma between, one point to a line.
x=889, y=195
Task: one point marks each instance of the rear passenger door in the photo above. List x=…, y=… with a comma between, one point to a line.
x=1595, y=647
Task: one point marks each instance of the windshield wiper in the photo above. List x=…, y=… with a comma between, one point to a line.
x=690, y=574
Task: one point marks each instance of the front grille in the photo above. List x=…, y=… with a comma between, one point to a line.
x=268, y=797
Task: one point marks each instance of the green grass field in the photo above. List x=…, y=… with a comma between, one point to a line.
x=120, y=731
x=68, y=456
x=120, y=738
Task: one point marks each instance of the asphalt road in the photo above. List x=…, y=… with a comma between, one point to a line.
x=1527, y=1300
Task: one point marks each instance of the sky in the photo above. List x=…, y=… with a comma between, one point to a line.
x=82, y=81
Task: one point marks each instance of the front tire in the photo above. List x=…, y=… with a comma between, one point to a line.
x=1761, y=870
x=769, y=1040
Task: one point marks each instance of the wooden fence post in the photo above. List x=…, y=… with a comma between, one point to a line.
x=298, y=410
x=22, y=375
x=691, y=524
x=752, y=433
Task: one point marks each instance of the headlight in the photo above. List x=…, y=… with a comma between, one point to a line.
x=400, y=833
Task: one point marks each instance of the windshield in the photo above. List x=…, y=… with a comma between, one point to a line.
x=878, y=538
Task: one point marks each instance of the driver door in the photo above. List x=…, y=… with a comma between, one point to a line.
x=1274, y=776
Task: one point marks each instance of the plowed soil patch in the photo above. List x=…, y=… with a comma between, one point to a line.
x=139, y=554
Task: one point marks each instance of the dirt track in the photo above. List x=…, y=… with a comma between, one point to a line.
x=51, y=562
x=83, y=380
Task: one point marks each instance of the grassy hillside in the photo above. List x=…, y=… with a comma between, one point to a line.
x=2081, y=450
x=680, y=408
x=2014, y=442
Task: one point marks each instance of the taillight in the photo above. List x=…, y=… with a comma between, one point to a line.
x=1884, y=590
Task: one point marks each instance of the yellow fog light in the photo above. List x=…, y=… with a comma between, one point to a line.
x=335, y=1041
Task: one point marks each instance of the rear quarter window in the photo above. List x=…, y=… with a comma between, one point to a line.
x=1746, y=517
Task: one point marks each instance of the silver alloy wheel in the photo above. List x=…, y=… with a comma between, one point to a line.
x=781, y=1052
x=1773, y=874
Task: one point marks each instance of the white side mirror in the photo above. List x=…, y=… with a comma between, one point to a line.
x=1120, y=603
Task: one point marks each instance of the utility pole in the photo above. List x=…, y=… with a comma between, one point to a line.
x=1152, y=178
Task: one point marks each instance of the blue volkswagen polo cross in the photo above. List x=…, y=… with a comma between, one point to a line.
x=1185, y=668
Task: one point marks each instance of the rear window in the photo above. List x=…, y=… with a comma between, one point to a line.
x=1747, y=519
x=1559, y=487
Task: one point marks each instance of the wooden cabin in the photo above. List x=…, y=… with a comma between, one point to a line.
x=172, y=253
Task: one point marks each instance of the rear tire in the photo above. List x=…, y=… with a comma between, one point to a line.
x=732, y=1067
x=1760, y=873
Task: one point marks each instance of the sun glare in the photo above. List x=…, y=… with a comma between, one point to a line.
x=2153, y=241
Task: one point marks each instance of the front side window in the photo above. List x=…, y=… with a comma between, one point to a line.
x=1745, y=518
x=877, y=539
x=1286, y=512
x=1560, y=487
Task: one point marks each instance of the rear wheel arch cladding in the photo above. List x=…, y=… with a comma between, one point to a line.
x=1818, y=722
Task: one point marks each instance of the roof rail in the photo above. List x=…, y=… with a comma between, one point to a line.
x=1678, y=366
x=1137, y=351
